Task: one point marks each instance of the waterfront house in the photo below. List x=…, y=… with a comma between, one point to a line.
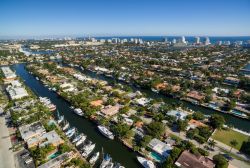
x=194, y=124
x=16, y=91
x=96, y=103
x=189, y=160
x=178, y=114
x=31, y=130
x=195, y=95
x=8, y=73
x=142, y=101
x=160, y=147
x=47, y=138
x=109, y=110
x=58, y=161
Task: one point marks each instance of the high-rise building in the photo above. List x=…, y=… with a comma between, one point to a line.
x=197, y=40
x=183, y=40
x=174, y=41
x=166, y=40
x=207, y=41
x=219, y=42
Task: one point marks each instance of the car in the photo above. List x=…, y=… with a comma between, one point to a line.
x=227, y=156
x=28, y=161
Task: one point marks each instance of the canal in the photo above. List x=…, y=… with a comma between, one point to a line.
x=118, y=152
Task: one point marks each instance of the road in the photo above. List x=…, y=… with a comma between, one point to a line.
x=6, y=154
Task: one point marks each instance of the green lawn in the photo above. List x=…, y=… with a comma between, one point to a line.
x=225, y=136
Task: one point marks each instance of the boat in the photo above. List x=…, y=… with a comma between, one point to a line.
x=94, y=158
x=71, y=135
x=145, y=162
x=73, y=129
x=77, y=138
x=155, y=90
x=37, y=78
x=88, y=149
x=106, y=160
x=66, y=126
x=105, y=132
x=70, y=132
x=60, y=119
x=78, y=111
x=80, y=141
x=118, y=165
x=110, y=165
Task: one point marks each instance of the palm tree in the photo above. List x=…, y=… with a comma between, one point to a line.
x=211, y=143
x=233, y=143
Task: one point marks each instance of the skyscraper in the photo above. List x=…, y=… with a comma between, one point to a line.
x=207, y=41
x=183, y=40
x=197, y=40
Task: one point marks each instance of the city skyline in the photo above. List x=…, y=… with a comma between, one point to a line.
x=140, y=18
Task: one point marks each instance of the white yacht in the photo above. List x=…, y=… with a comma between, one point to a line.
x=78, y=111
x=94, y=158
x=106, y=160
x=145, y=162
x=77, y=138
x=106, y=132
x=88, y=149
x=80, y=141
x=66, y=126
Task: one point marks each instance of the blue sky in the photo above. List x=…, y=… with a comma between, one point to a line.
x=124, y=17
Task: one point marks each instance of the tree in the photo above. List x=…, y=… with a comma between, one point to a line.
x=233, y=143
x=217, y=121
x=145, y=140
x=175, y=153
x=211, y=143
x=220, y=161
x=122, y=130
x=182, y=125
x=198, y=116
x=155, y=129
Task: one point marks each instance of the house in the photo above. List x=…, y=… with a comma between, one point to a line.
x=142, y=101
x=58, y=161
x=31, y=130
x=16, y=91
x=195, y=95
x=47, y=138
x=160, y=147
x=189, y=160
x=110, y=110
x=96, y=103
x=194, y=124
x=178, y=114
x=8, y=73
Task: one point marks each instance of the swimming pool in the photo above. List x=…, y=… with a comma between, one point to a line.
x=54, y=155
x=156, y=156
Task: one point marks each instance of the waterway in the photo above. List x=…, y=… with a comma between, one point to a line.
x=118, y=152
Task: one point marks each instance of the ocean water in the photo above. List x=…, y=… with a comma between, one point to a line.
x=190, y=39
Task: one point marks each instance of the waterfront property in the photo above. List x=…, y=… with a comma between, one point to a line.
x=161, y=148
